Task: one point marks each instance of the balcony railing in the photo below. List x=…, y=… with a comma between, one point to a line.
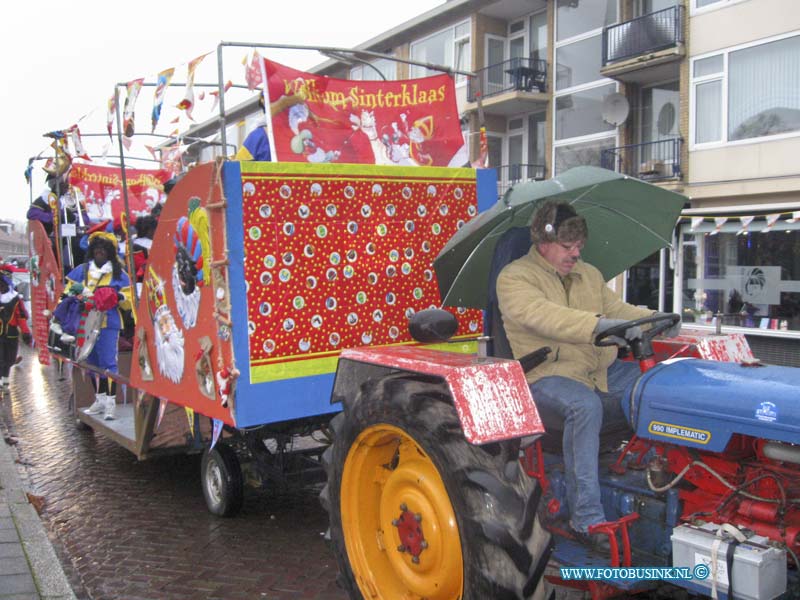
x=650, y=160
x=648, y=33
x=508, y=175
x=516, y=74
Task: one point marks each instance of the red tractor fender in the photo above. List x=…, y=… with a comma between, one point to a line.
x=491, y=395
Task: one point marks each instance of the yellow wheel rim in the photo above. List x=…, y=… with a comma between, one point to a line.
x=399, y=527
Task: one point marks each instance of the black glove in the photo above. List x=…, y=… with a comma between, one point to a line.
x=675, y=329
x=630, y=333
x=26, y=338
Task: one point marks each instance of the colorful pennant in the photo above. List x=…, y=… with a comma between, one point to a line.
x=133, y=88
x=190, y=416
x=216, y=429
x=164, y=79
x=187, y=104
x=77, y=144
x=162, y=407
x=112, y=111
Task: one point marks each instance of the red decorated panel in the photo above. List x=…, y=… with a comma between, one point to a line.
x=341, y=257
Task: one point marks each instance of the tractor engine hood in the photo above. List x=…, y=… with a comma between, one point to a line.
x=701, y=403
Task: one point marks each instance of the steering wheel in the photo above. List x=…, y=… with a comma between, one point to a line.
x=643, y=346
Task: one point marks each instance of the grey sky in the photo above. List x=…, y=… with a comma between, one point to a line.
x=61, y=61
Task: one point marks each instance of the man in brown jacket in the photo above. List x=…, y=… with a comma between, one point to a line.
x=549, y=297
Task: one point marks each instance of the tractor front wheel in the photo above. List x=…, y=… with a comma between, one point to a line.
x=417, y=512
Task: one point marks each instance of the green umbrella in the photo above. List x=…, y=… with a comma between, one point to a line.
x=628, y=220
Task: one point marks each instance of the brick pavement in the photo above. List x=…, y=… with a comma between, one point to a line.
x=133, y=530
x=29, y=568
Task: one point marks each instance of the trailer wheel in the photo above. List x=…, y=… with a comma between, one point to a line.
x=221, y=475
x=418, y=512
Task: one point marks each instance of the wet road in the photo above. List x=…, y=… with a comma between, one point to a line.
x=133, y=530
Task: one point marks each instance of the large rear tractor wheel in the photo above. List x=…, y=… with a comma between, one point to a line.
x=417, y=512
x=223, y=486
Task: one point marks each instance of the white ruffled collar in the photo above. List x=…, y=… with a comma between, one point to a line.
x=8, y=296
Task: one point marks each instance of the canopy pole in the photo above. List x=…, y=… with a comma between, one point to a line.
x=128, y=254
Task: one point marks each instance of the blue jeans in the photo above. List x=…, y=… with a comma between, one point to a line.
x=581, y=412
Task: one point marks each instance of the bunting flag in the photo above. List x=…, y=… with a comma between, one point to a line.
x=164, y=79
x=77, y=144
x=187, y=104
x=745, y=222
x=133, y=88
x=216, y=429
x=190, y=417
x=771, y=220
x=151, y=150
x=112, y=111
x=171, y=159
x=718, y=223
x=795, y=216
x=695, y=223
x=253, y=71
x=215, y=94
x=127, y=141
x=162, y=407
x=483, y=156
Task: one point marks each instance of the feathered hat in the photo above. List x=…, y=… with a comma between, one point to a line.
x=186, y=237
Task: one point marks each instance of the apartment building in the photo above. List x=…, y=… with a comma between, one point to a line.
x=699, y=96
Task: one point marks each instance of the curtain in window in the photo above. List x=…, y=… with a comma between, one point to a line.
x=708, y=120
x=764, y=90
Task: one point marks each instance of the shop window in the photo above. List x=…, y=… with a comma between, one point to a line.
x=752, y=278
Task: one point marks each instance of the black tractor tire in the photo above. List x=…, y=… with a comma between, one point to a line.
x=503, y=548
x=221, y=477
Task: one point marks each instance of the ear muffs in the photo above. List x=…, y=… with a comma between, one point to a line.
x=563, y=212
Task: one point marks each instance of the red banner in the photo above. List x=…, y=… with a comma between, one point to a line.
x=46, y=286
x=100, y=190
x=413, y=122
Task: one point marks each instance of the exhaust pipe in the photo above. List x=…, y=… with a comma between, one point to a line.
x=782, y=452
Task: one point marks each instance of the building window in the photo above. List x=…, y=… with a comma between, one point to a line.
x=700, y=5
x=387, y=68
x=581, y=154
x=575, y=17
x=538, y=36
x=579, y=62
x=450, y=47
x=753, y=279
x=579, y=132
x=580, y=113
x=762, y=86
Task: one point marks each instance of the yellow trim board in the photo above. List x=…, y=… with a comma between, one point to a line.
x=320, y=366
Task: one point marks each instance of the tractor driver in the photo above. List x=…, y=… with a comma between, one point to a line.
x=549, y=297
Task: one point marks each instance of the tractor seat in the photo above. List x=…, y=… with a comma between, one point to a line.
x=514, y=244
